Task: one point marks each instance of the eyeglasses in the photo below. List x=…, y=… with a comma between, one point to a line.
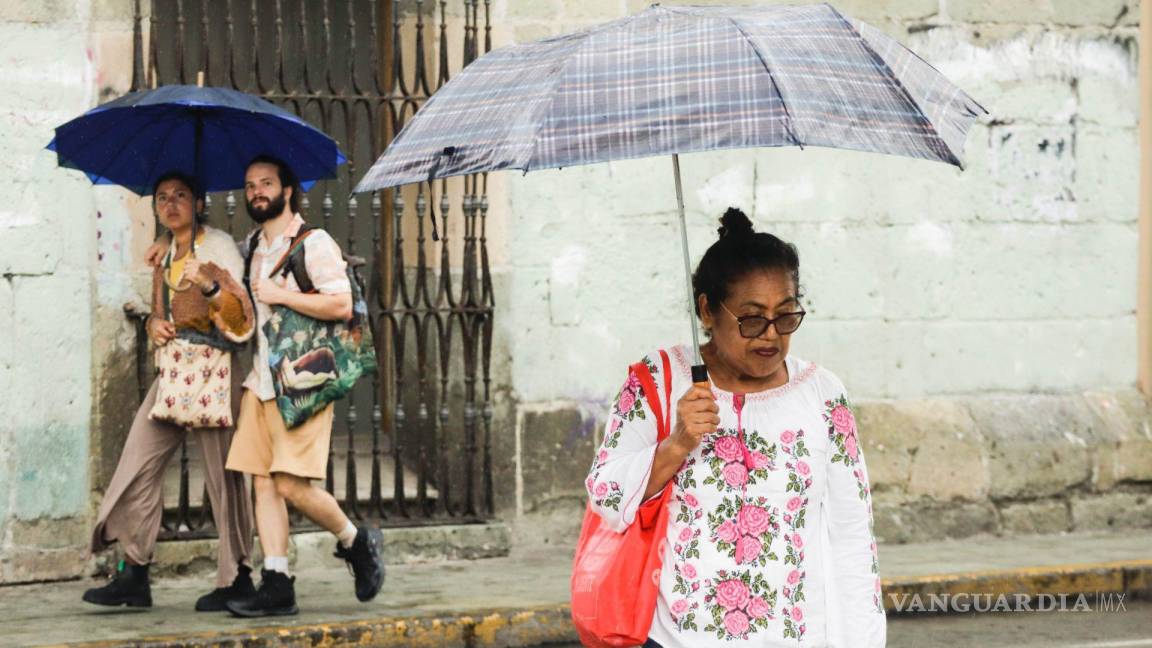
x=753, y=326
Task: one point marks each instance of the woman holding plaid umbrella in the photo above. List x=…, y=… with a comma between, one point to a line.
x=770, y=516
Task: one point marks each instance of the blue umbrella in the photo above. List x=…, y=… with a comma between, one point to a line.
x=209, y=133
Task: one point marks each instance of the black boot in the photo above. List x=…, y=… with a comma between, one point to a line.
x=276, y=597
x=364, y=559
x=241, y=587
x=130, y=587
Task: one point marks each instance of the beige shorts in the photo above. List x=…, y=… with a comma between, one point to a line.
x=262, y=445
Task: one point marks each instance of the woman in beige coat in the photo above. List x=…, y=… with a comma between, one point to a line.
x=207, y=304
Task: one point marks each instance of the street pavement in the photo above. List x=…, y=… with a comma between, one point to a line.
x=521, y=600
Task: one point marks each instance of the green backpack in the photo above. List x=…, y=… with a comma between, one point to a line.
x=313, y=362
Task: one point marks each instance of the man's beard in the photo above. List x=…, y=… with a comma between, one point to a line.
x=273, y=209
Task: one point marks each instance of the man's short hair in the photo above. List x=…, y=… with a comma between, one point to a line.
x=287, y=178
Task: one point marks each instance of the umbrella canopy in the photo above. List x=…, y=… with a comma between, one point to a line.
x=208, y=133
x=681, y=79
x=673, y=80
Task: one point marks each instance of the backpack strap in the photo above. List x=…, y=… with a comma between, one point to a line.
x=293, y=260
x=253, y=243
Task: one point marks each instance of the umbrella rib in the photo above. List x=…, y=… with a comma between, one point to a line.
x=112, y=125
x=224, y=125
x=789, y=125
x=160, y=150
x=160, y=117
x=276, y=124
x=560, y=75
x=879, y=62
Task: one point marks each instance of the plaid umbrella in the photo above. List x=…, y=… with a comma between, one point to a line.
x=673, y=80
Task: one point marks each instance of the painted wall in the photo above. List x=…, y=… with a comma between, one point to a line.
x=64, y=265
x=937, y=295
x=1017, y=275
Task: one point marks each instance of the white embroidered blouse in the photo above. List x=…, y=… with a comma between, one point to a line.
x=769, y=539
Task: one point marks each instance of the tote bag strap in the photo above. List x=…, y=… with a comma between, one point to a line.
x=648, y=383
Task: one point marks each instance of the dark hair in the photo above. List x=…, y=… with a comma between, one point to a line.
x=287, y=178
x=739, y=252
x=187, y=181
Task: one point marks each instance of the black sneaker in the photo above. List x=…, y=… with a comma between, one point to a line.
x=364, y=560
x=241, y=587
x=130, y=587
x=276, y=597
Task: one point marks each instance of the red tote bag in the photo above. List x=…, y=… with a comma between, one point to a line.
x=616, y=576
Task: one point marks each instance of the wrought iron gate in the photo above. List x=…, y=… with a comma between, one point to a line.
x=359, y=69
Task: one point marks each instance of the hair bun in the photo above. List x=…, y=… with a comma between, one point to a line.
x=734, y=223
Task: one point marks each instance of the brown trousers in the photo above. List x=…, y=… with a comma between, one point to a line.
x=132, y=507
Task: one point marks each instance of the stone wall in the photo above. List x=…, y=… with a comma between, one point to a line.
x=1009, y=464
x=996, y=297
x=63, y=277
x=939, y=468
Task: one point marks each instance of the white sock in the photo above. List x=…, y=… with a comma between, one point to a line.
x=277, y=564
x=348, y=535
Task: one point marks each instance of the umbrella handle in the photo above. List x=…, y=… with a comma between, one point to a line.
x=700, y=375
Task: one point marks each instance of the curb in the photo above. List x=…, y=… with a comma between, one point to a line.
x=1119, y=577
x=504, y=627
x=533, y=626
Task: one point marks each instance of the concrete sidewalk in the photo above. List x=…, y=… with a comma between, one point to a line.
x=521, y=600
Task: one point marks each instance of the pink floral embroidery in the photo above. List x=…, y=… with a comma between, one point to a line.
x=758, y=608
x=686, y=548
x=753, y=520
x=736, y=623
x=748, y=549
x=724, y=453
x=727, y=531
x=728, y=448
x=628, y=406
x=608, y=495
x=799, y=481
x=842, y=419
x=842, y=431
x=627, y=400
x=739, y=603
x=732, y=594
x=735, y=475
x=745, y=531
x=844, y=437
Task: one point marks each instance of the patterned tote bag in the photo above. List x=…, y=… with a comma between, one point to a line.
x=194, y=388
